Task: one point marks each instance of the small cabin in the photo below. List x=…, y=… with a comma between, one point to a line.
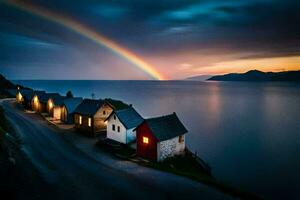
x=35, y=100
x=86, y=116
x=43, y=101
x=68, y=108
x=21, y=93
x=54, y=106
x=90, y=114
x=121, y=125
x=160, y=138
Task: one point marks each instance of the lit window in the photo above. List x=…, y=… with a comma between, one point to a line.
x=90, y=122
x=145, y=140
x=113, y=127
x=181, y=139
x=118, y=128
x=35, y=99
x=80, y=120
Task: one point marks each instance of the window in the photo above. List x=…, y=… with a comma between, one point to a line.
x=90, y=122
x=104, y=113
x=181, y=139
x=115, y=117
x=113, y=127
x=118, y=128
x=80, y=120
x=145, y=140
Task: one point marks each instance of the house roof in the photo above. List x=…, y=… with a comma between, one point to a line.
x=46, y=96
x=29, y=95
x=72, y=103
x=166, y=127
x=116, y=104
x=89, y=107
x=129, y=117
x=58, y=100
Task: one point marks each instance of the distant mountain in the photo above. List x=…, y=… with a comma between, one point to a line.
x=255, y=75
x=198, y=78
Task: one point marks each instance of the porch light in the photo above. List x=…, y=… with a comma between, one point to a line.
x=50, y=104
x=145, y=140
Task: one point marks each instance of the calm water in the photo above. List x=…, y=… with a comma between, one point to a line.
x=248, y=132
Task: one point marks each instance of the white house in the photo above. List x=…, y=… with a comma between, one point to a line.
x=121, y=125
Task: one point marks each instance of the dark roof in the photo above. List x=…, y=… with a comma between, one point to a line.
x=129, y=117
x=46, y=96
x=116, y=104
x=166, y=127
x=30, y=95
x=89, y=107
x=58, y=100
x=72, y=103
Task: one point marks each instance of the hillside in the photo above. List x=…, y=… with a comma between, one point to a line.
x=255, y=75
x=198, y=78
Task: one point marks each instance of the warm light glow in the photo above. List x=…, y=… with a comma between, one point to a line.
x=89, y=122
x=90, y=34
x=80, y=120
x=35, y=99
x=19, y=96
x=50, y=104
x=145, y=140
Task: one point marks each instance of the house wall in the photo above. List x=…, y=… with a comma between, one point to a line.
x=88, y=130
x=101, y=115
x=114, y=134
x=19, y=97
x=35, y=103
x=50, y=108
x=170, y=148
x=148, y=151
x=64, y=114
x=56, y=112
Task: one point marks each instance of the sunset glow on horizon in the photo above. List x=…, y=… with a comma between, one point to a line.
x=147, y=41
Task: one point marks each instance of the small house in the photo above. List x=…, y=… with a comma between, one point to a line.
x=54, y=106
x=121, y=125
x=68, y=108
x=40, y=101
x=21, y=93
x=90, y=114
x=86, y=116
x=160, y=138
x=35, y=100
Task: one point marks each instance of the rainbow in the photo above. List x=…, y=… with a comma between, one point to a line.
x=88, y=33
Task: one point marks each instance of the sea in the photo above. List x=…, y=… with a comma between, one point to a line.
x=248, y=132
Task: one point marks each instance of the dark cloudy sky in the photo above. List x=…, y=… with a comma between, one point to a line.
x=179, y=38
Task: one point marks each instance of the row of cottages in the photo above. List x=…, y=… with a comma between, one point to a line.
x=90, y=114
x=156, y=138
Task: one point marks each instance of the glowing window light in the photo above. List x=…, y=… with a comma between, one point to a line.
x=145, y=140
x=89, y=122
x=80, y=120
x=50, y=104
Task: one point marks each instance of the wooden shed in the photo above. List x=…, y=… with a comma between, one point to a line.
x=160, y=138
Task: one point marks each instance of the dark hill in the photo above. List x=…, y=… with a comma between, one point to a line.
x=255, y=75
